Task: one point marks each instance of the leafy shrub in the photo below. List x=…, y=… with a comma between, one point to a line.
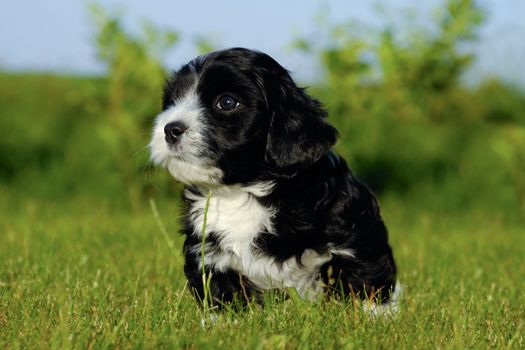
x=408, y=125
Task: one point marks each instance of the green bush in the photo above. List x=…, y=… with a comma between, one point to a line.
x=412, y=129
x=409, y=126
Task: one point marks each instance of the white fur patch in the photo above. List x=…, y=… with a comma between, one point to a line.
x=237, y=217
x=185, y=161
x=234, y=214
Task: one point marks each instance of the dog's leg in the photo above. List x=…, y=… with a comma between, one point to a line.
x=224, y=288
x=374, y=281
x=220, y=287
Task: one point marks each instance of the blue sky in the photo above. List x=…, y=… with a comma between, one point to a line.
x=56, y=35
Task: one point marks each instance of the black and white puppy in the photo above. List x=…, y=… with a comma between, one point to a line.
x=285, y=210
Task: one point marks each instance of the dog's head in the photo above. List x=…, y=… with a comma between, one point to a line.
x=236, y=116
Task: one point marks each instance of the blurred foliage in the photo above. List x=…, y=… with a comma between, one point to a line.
x=135, y=78
x=409, y=126
x=48, y=125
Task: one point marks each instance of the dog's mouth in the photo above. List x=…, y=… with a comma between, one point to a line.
x=175, y=151
x=191, y=173
x=190, y=168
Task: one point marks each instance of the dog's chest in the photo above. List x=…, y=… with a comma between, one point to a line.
x=235, y=218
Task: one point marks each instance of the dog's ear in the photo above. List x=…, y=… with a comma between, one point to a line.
x=298, y=134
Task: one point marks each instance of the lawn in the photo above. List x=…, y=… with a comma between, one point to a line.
x=87, y=273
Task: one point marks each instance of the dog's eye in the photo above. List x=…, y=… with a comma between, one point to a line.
x=227, y=103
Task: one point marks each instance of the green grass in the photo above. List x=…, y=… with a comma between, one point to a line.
x=86, y=274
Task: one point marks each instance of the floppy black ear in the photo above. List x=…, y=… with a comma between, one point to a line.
x=298, y=134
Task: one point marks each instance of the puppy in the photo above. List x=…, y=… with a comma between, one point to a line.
x=285, y=211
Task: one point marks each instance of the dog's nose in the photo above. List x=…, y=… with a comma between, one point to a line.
x=173, y=131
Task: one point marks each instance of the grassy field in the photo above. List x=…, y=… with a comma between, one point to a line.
x=84, y=273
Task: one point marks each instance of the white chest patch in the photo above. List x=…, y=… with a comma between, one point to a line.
x=236, y=218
